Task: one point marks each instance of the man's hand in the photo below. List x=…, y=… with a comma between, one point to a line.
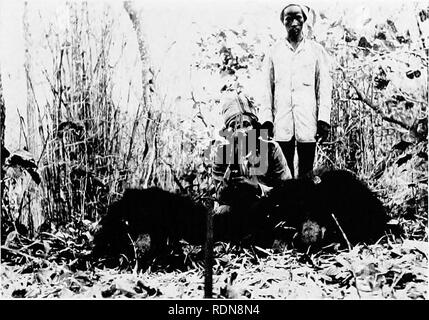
x=322, y=131
x=268, y=125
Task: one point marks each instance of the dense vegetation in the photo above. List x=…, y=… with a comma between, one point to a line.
x=81, y=146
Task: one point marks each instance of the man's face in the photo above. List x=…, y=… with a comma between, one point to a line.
x=293, y=20
x=243, y=123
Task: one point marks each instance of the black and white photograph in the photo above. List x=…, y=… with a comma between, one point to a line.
x=221, y=151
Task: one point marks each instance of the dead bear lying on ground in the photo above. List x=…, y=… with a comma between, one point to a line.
x=307, y=211
x=145, y=222
x=315, y=209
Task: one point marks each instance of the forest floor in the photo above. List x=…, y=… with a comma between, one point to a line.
x=52, y=268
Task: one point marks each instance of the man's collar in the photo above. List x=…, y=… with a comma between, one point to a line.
x=299, y=47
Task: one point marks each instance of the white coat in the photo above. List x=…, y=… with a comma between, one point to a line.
x=298, y=90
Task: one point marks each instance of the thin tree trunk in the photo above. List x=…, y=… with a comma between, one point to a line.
x=2, y=124
x=143, y=51
x=3, y=151
x=32, y=207
x=32, y=132
x=150, y=128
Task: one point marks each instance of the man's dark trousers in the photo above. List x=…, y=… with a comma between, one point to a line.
x=306, y=153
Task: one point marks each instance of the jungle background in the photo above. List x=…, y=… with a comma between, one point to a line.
x=99, y=96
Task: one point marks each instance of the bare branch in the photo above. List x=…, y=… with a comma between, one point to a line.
x=173, y=173
x=378, y=110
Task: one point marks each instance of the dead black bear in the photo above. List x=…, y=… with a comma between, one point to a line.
x=144, y=222
x=358, y=210
x=314, y=210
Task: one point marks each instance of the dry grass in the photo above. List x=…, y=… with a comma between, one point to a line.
x=381, y=271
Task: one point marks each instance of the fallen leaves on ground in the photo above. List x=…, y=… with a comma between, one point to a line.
x=387, y=271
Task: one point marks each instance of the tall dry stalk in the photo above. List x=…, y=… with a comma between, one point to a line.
x=83, y=153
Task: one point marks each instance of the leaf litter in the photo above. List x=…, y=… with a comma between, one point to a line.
x=380, y=271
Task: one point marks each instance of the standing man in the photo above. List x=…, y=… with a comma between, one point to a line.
x=298, y=92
